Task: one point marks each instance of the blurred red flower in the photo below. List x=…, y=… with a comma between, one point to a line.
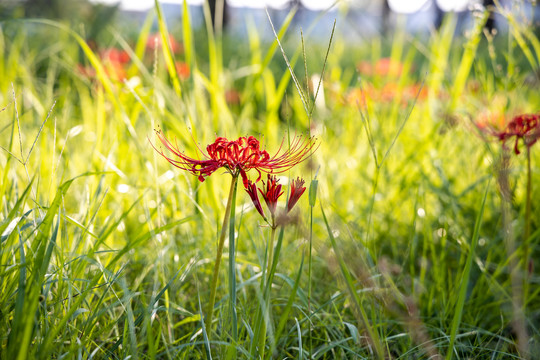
x=232, y=97
x=114, y=55
x=383, y=67
x=114, y=63
x=525, y=127
x=154, y=42
x=182, y=69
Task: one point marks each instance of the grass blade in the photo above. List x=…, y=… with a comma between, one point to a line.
x=166, y=47
x=465, y=277
x=373, y=336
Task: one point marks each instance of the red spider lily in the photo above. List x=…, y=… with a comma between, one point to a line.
x=114, y=63
x=272, y=193
x=491, y=122
x=232, y=97
x=251, y=189
x=113, y=70
x=297, y=189
x=182, y=69
x=526, y=127
x=239, y=156
x=385, y=94
x=114, y=55
x=154, y=41
x=383, y=67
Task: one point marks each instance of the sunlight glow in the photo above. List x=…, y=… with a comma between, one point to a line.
x=143, y=5
x=453, y=5
x=258, y=4
x=318, y=4
x=140, y=5
x=407, y=7
x=399, y=6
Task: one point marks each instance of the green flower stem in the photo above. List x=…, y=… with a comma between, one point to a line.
x=527, y=232
x=232, y=270
x=516, y=280
x=221, y=242
x=268, y=285
x=271, y=248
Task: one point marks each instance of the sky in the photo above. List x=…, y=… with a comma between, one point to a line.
x=401, y=6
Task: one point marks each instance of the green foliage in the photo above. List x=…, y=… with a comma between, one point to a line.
x=106, y=250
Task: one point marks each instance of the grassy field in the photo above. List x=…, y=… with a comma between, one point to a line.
x=413, y=240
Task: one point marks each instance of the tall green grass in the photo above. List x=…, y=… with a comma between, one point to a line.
x=396, y=252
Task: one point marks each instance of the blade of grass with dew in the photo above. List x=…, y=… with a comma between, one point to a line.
x=373, y=335
x=465, y=277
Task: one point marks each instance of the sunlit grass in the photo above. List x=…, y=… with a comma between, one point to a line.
x=107, y=250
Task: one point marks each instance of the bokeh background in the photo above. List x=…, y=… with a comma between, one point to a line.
x=412, y=246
